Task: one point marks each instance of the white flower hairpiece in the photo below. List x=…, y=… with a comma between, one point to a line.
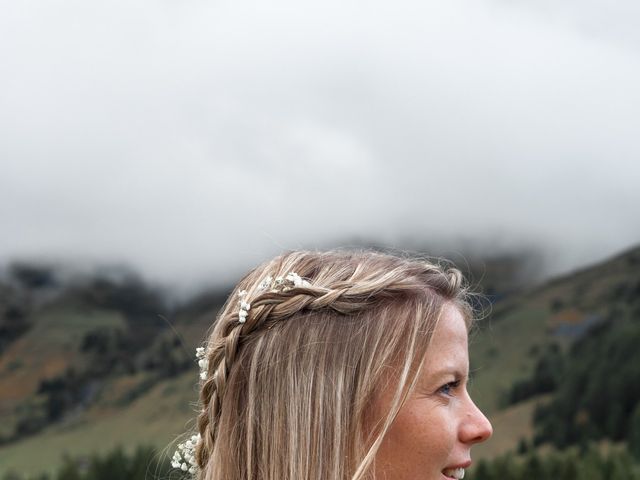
x=244, y=307
x=184, y=457
x=289, y=281
x=203, y=362
x=297, y=280
x=266, y=283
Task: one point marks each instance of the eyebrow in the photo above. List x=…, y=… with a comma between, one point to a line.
x=457, y=373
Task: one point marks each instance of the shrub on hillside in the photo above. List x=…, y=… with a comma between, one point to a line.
x=600, y=390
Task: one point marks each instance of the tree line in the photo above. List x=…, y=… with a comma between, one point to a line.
x=142, y=464
x=589, y=464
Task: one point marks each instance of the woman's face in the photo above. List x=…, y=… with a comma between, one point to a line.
x=432, y=436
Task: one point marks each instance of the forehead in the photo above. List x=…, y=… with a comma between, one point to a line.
x=449, y=344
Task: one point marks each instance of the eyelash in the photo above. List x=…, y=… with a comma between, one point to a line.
x=447, y=388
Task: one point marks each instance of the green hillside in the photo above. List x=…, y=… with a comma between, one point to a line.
x=99, y=363
x=510, y=348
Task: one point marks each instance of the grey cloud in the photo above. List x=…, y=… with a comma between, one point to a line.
x=195, y=138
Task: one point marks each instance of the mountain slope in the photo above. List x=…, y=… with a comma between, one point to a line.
x=522, y=330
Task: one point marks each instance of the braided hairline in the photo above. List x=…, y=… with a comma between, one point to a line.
x=344, y=297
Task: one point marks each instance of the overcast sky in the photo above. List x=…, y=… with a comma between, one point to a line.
x=192, y=138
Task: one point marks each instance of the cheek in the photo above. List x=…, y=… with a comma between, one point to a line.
x=419, y=441
x=431, y=429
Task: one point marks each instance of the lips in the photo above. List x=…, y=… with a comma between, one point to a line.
x=456, y=473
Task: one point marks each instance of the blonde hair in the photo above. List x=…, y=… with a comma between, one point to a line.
x=287, y=392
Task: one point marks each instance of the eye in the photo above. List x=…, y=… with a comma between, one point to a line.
x=448, y=389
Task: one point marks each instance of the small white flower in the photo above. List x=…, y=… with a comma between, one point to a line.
x=266, y=283
x=242, y=315
x=184, y=457
x=280, y=284
x=203, y=361
x=294, y=278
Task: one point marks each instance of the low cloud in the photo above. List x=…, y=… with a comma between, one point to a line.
x=193, y=139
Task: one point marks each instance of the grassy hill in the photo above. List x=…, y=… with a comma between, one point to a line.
x=521, y=331
x=99, y=363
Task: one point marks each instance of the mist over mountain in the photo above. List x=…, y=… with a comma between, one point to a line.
x=192, y=141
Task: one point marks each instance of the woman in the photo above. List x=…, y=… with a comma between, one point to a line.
x=338, y=365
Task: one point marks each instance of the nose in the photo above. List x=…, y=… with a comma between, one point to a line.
x=475, y=427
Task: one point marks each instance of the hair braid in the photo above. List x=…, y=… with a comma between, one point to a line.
x=221, y=355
